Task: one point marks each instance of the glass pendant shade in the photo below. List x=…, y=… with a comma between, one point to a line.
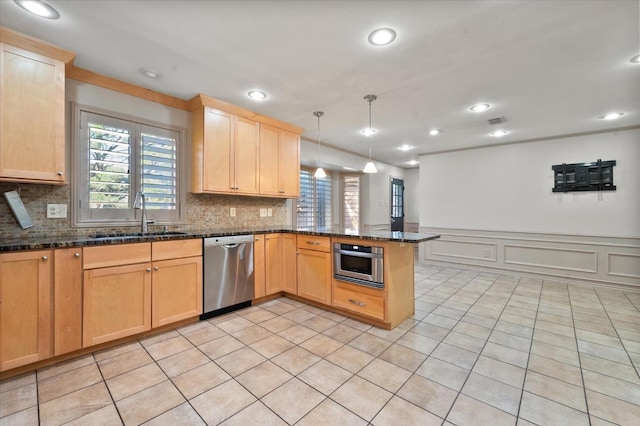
x=320, y=173
x=370, y=167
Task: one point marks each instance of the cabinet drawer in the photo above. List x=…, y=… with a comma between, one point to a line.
x=115, y=255
x=311, y=242
x=164, y=250
x=364, y=304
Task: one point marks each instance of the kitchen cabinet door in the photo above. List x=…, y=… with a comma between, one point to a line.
x=289, y=173
x=67, y=300
x=273, y=263
x=116, y=302
x=259, y=266
x=279, y=162
x=32, y=109
x=289, y=254
x=176, y=291
x=25, y=308
x=217, y=151
x=314, y=275
x=246, y=162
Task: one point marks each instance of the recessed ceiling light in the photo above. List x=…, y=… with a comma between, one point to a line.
x=611, y=116
x=368, y=131
x=405, y=148
x=382, y=36
x=413, y=162
x=257, y=95
x=151, y=73
x=480, y=107
x=498, y=133
x=38, y=8
x=635, y=59
x=434, y=132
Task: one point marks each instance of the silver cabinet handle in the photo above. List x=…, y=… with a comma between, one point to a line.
x=281, y=191
x=76, y=255
x=148, y=269
x=357, y=302
x=155, y=268
x=44, y=258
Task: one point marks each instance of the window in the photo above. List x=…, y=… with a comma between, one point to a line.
x=118, y=157
x=314, y=204
x=351, y=202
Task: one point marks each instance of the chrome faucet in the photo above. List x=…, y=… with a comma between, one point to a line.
x=141, y=203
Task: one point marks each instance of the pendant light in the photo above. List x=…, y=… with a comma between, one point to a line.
x=370, y=167
x=320, y=173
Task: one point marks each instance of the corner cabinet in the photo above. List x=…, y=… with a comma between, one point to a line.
x=280, y=162
x=32, y=110
x=25, y=308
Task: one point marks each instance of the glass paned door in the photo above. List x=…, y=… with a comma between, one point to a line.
x=397, y=204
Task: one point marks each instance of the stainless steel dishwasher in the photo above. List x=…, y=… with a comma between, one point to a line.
x=228, y=274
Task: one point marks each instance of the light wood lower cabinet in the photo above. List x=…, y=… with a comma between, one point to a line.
x=289, y=267
x=314, y=268
x=25, y=308
x=279, y=263
x=273, y=263
x=67, y=300
x=176, y=290
x=117, y=302
x=259, y=278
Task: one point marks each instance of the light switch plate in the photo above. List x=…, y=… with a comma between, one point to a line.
x=269, y=212
x=56, y=211
x=232, y=212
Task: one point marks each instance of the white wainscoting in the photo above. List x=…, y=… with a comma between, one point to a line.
x=592, y=259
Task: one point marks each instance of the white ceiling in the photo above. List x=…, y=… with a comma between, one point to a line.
x=549, y=67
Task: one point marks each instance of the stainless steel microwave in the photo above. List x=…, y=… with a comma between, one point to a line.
x=359, y=264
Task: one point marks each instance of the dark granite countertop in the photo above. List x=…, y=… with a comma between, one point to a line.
x=82, y=239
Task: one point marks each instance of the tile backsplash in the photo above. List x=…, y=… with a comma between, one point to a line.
x=204, y=211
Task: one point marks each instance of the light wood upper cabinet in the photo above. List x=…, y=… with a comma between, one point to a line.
x=25, y=308
x=67, y=300
x=280, y=162
x=224, y=153
x=32, y=114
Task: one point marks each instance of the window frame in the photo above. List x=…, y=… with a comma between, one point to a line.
x=314, y=224
x=79, y=165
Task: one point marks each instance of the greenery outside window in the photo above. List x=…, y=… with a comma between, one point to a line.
x=114, y=158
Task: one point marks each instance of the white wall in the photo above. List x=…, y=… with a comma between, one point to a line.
x=508, y=188
x=411, y=195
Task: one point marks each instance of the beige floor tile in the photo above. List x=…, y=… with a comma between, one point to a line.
x=234, y=324
x=398, y=411
x=556, y=390
x=599, y=338
x=428, y=395
x=296, y=360
x=68, y=382
x=358, y=325
x=333, y=316
x=240, y=361
x=105, y=416
x=440, y=321
x=116, y=350
x=500, y=371
x=204, y=334
x=251, y=334
x=230, y=399
x=63, y=367
x=612, y=409
x=560, y=329
x=493, y=392
x=470, y=412
x=256, y=414
x=325, y=376
x=480, y=320
x=306, y=399
x=280, y=308
x=505, y=354
x=330, y=413
x=515, y=329
x=342, y=333
x=510, y=341
x=454, y=355
x=169, y=347
x=417, y=342
x=264, y=378
x=361, y=397
x=464, y=341
x=555, y=339
x=370, y=344
x=431, y=331
x=298, y=315
x=74, y=405
x=319, y=323
x=18, y=399
x=189, y=328
x=609, y=368
x=385, y=375
x=28, y=417
x=183, y=361
x=134, y=381
x=157, y=338
x=271, y=346
x=601, y=351
x=611, y=386
x=182, y=415
x=403, y=357
x=200, y=379
x=297, y=334
x=116, y=365
x=444, y=373
x=517, y=319
x=602, y=328
x=17, y=381
x=555, y=369
x=545, y=412
x=220, y=347
x=321, y=345
x=277, y=324
x=149, y=403
x=259, y=315
x=473, y=330
x=350, y=358
x=390, y=335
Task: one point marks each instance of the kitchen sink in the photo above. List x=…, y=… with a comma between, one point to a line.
x=136, y=235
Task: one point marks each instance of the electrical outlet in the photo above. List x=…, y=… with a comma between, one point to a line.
x=232, y=212
x=56, y=211
x=269, y=212
x=263, y=212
